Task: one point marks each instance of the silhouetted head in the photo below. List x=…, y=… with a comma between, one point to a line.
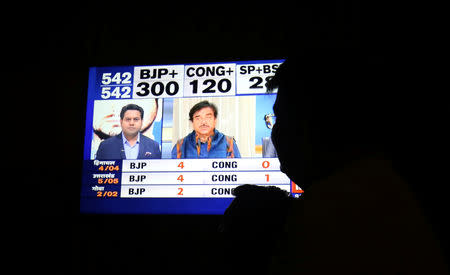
x=332, y=106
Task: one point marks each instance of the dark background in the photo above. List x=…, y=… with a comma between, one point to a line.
x=62, y=45
x=52, y=49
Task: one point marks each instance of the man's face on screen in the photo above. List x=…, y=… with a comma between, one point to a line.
x=204, y=121
x=131, y=123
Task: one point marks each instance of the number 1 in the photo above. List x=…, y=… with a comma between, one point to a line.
x=194, y=84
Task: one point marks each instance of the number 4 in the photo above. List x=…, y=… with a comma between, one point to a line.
x=181, y=165
x=180, y=178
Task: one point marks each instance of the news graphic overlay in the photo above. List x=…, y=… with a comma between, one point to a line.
x=177, y=139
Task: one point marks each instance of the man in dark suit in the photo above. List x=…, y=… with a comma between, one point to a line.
x=130, y=143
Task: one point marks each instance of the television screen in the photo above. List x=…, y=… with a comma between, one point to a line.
x=177, y=139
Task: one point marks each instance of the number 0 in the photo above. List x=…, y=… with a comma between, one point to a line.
x=227, y=85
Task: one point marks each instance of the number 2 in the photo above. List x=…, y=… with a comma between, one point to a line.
x=258, y=80
x=180, y=191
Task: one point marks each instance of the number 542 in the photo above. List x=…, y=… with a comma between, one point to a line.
x=118, y=92
x=118, y=78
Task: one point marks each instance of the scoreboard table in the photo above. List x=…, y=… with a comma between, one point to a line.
x=181, y=178
x=179, y=186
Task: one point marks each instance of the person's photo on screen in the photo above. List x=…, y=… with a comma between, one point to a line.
x=263, y=126
x=205, y=141
x=126, y=129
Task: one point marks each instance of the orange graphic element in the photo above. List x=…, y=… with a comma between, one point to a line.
x=295, y=188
